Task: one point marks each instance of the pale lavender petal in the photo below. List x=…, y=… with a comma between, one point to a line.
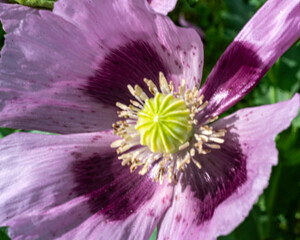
x=66, y=75
x=44, y=63
x=214, y=200
x=139, y=44
x=74, y=187
x=272, y=30
x=162, y=6
x=184, y=23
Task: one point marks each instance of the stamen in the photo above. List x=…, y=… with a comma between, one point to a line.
x=161, y=135
x=152, y=87
x=201, y=107
x=213, y=119
x=182, y=88
x=192, y=152
x=183, y=162
x=164, y=87
x=213, y=146
x=184, y=146
x=170, y=174
x=122, y=106
x=131, y=90
x=117, y=143
x=217, y=140
x=197, y=164
x=135, y=103
x=144, y=170
x=140, y=93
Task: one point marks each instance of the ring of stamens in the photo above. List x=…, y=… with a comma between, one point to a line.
x=142, y=148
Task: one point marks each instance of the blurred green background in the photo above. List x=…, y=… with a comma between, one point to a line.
x=276, y=215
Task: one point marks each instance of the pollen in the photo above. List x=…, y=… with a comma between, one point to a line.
x=160, y=134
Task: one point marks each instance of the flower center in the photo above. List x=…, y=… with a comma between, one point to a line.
x=160, y=135
x=163, y=123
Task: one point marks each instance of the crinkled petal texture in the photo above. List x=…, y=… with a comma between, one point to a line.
x=74, y=187
x=44, y=62
x=268, y=34
x=214, y=200
x=145, y=42
x=63, y=71
x=163, y=6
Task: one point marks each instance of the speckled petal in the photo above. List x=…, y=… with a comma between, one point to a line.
x=74, y=64
x=268, y=34
x=175, y=51
x=74, y=187
x=215, y=199
x=163, y=6
x=44, y=63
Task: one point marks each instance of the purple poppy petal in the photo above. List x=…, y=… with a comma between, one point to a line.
x=162, y=6
x=214, y=200
x=184, y=23
x=272, y=30
x=44, y=62
x=68, y=79
x=139, y=44
x=74, y=187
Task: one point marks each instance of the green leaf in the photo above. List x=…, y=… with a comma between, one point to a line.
x=154, y=235
x=296, y=121
x=285, y=74
x=48, y=4
x=3, y=234
x=6, y=131
x=192, y=3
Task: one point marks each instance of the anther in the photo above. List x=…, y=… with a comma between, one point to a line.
x=184, y=146
x=152, y=87
x=197, y=164
x=164, y=87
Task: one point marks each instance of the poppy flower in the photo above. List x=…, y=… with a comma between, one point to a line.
x=176, y=166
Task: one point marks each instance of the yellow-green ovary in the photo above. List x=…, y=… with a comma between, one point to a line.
x=163, y=123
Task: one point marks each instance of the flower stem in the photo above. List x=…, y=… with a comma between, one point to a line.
x=271, y=198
